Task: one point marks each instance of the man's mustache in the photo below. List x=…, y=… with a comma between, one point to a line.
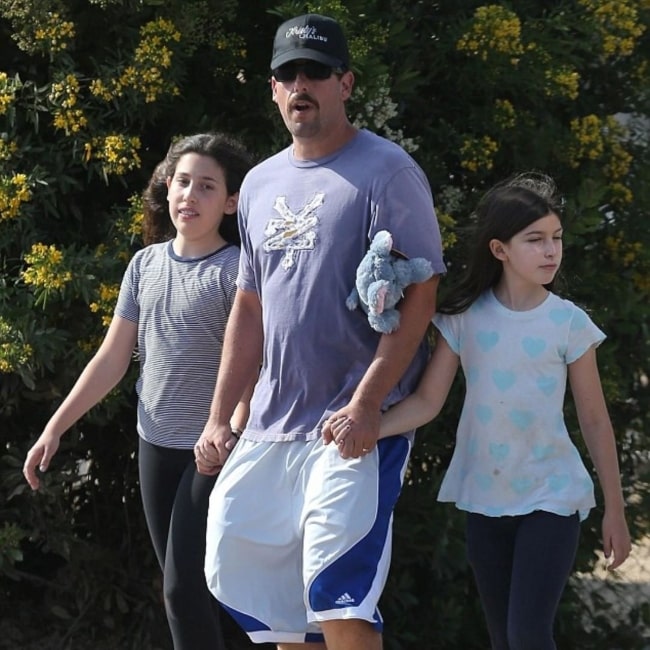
x=304, y=97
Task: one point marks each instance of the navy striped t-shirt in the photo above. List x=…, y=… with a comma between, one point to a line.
x=181, y=307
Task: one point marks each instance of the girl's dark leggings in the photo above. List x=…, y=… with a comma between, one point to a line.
x=521, y=565
x=175, y=499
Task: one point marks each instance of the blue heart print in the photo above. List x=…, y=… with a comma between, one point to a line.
x=521, y=419
x=560, y=316
x=558, y=482
x=503, y=379
x=547, y=385
x=579, y=321
x=471, y=374
x=499, y=450
x=484, y=481
x=483, y=413
x=487, y=340
x=541, y=452
x=521, y=485
x=533, y=347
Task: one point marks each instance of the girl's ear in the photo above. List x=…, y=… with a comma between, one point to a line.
x=497, y=249
x=231, y=204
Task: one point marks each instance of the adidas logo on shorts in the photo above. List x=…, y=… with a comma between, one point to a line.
x=345, y=599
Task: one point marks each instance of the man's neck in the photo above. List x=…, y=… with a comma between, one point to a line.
x=315, y=148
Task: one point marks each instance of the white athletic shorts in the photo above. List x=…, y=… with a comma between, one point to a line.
x=297, y=535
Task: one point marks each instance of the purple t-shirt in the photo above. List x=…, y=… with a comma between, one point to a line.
x=306, y=225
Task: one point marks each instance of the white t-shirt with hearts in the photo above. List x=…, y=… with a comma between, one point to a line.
x=513, y=452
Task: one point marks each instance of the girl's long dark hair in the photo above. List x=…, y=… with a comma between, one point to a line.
x=226, y=151
x=502, y=212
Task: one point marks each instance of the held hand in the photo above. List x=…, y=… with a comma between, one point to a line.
x=333, y=426
x=39, y=456
x=213, y=448
x=616, y=539
x=338, y=426
x=354, y=429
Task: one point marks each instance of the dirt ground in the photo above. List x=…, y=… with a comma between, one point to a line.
x=625, y=589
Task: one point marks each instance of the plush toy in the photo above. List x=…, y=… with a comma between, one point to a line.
x=381, y=280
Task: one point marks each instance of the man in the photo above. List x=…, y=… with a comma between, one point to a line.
x=299, y=532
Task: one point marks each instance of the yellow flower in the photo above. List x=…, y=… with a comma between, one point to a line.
x=70, y=121
x=55, y=32
x=64, y=95
x=133, y=227
x=447, y=225
x=46, y=268
x=119, y=153
x=494, y=29
x=477, y=153
x=563, y=81
x=7, y=149
x=152, y=58
x=588, y=140
x=621, y=194
x=622, y=252
x=14, y=191
x=617, y=24
x=504, y=114
x=620, y=162
x=14, y=352
x=8, y=89
x=605, y=141
x=36, y=27
x=99, y=89
x=232, y=50
x=88, y=151
x=105, y=303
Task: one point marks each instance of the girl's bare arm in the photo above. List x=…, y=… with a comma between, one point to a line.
x=598, y=433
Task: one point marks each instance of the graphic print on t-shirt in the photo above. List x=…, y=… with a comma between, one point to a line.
x=292, y=231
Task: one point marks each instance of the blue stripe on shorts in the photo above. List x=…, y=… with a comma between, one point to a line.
x=357, y=568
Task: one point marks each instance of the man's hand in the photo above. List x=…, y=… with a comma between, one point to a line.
x=213, y=448
x=354, y=429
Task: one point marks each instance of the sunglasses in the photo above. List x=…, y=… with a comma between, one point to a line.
x=311, y=69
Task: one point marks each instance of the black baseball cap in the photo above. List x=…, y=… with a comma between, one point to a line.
x=311, y=36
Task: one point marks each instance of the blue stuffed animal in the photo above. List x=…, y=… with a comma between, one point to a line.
x=381, y=280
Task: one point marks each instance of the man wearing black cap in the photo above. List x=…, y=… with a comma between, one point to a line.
x=299, y=530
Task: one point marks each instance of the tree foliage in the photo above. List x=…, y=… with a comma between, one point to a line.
x=92, y=92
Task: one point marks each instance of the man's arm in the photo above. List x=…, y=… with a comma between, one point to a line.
x=394, y=354
x=242, y=351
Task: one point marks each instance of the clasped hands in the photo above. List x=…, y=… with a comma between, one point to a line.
x=213, y=448
x=354, y=431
